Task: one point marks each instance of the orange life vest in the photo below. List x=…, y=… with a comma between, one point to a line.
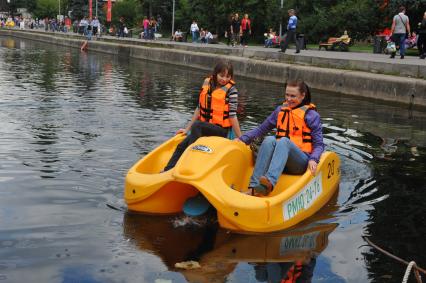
x=293, y=273
x=291, y=124
x=214, y=105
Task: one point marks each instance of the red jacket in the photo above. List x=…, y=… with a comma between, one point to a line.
x=245, y=24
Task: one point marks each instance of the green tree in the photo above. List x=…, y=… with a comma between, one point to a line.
x=15, y=4
x=322, y=19
x=79, y=9
x=130, y=10
x=414, y=10
x=46, y=8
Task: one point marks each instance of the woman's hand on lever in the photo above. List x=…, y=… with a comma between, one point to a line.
x=312, y=165
x=188, y=127
x=183, y=131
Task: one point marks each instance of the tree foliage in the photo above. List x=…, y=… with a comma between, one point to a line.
x=130, y=10
x=321, y=19
x=49, y=8
x=79, y=9
x=317, y=18
x=46, y=8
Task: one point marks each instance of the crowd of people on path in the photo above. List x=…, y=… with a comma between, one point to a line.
x=151, y=26
x=84, y=26
x=49, y=24
x=198, y=35
x=238, y=31
x=88, y=27
x=400, y=36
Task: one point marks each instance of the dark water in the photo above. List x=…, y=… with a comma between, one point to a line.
x=72, y=123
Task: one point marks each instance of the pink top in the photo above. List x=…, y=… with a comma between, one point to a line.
x=145, y=23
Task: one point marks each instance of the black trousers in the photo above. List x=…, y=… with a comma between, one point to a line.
x=198, y=129
x=245, y=37
x=421, y=44
x=291, y=36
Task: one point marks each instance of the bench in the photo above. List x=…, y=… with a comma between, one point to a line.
x=335, y=43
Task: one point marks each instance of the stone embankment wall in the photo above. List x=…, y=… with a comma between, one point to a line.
x=366, y=80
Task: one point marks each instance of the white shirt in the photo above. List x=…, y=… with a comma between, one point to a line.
x=95, y=23
x=194, y=27
x=209, y=35
x=84, y=22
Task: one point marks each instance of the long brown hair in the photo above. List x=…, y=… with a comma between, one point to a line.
x=221, y=67
x=303, y=88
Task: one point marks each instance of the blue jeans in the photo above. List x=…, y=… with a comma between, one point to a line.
x=268, y=42
x=400, y=40
x=89, y=34
x=195, y=36
x=275, y=155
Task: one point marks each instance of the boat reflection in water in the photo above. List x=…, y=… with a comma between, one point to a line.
x=275, y=256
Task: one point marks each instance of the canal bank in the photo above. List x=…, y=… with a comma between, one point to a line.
x=390, y=81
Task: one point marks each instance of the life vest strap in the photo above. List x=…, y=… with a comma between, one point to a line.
x=206, y=110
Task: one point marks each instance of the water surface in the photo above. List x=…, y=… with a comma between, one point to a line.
x=72, y=124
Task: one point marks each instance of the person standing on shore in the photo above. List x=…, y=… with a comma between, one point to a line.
x=245, y=30
x=291, y=32
x=228, y=31
x=121, y=26
x=194, y=31
x=96, y=27
x=67, y=23
x=152, y=27
x=46, y=24
x=421, y=41
x=145, y=24
x=235, y=30
x=159, y=22
x=399, y=30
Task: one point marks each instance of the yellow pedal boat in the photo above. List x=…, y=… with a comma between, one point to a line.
x=220, y=170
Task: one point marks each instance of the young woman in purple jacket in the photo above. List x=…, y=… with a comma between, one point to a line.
x=297, y=144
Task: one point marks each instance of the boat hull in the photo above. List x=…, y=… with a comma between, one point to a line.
x=220, y=169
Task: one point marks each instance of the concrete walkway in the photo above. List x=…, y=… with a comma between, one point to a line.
x=411, y=66
x=360, y=74
x=357, y=56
